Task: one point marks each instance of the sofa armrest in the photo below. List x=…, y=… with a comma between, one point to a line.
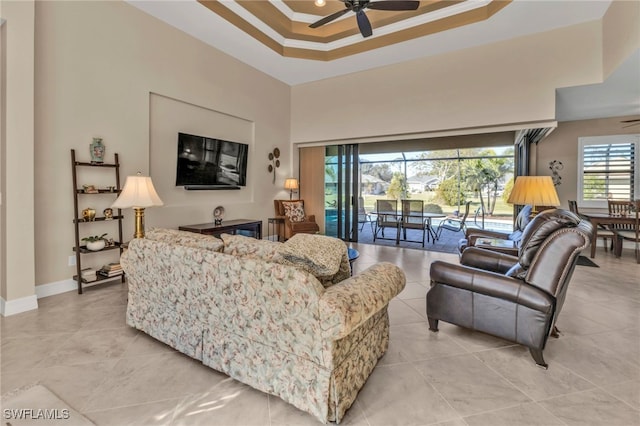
x=487, y=260
x=348, y=304
x=491, y=284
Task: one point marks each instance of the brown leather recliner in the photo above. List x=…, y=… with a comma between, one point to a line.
x=472, y=234
x=515, y=298
x=307, y=226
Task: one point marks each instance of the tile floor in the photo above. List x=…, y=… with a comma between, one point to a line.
x=81, y=349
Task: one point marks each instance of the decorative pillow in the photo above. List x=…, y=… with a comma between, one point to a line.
x=250, y=248
x=185, y=238
x=317, y=254
x=294, y=210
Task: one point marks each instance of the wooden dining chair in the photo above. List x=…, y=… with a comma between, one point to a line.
x=607, y=235
x=620, y=208
x=629, y=234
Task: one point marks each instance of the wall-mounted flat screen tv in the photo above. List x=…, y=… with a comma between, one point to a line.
x=208, y=163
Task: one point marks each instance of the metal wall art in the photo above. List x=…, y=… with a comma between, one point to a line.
x=275, y=162
x=555, y=166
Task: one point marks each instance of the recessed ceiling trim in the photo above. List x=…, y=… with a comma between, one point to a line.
x=247, y=16
x=265, y=22
x=372, y=43
x=297, y=16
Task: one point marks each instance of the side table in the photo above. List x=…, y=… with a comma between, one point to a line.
x=275, y=224
x=248, y=226
x=353, y=254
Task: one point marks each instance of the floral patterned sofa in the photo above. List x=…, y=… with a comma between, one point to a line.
x=284, y=318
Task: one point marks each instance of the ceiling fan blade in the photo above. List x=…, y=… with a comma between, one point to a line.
x=394, y=5
x=363, y=24
x=328, y=19
x=630, y=121
x=630, y=125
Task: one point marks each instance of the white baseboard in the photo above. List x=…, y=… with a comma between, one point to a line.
x=51, y=289
x=29, y=303
x=17, y=306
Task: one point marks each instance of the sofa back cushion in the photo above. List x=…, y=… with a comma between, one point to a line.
x=250, y=248
x=185, y=238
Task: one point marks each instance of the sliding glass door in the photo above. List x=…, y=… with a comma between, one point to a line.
x=341, y=189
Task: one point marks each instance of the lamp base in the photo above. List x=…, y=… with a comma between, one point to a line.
x=139, y=232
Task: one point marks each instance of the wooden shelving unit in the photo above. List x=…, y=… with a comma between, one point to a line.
x=78, y=221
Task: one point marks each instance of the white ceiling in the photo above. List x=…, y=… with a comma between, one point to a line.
x=618, y=96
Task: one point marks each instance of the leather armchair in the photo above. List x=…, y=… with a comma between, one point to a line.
x=307, y=226
x=471, y=235
x=517, y=298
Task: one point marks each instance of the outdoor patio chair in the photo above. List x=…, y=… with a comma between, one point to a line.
x=413, y=218
x=387, y=217
x=363, y=216
x=454, y=224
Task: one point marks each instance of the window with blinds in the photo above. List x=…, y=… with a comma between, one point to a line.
x=608, y=169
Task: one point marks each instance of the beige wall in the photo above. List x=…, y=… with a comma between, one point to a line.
x=503, y=83
x=101, y=68
x=3, y=146
x=621, y=33
x=17, y=150
x=562, y=145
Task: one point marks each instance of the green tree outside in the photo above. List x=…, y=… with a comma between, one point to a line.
x=398, y=188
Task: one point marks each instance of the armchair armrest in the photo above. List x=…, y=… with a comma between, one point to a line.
x=347, y=305
x=487, y=260
x=483, y=233
x=491, y=284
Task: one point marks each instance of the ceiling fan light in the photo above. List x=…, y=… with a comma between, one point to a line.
x=320, y=3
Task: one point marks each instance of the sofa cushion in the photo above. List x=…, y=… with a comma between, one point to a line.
x=185, y=238
x=250, y=248
x=319, y=255
x=294, y=210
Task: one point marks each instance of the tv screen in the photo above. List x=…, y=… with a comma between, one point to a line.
x=209, y=163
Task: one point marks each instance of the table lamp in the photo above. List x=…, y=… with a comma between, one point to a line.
x=138, y=193
x=534, y=190
x=292, y=185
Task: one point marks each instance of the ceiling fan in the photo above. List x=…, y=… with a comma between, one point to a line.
x=633, y=122
x=358, y=7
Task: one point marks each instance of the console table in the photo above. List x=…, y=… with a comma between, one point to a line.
x=254, y=227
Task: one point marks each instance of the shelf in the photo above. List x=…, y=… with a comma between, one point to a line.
x=111, y=187
x=98, y=219
x=83, y=163
x=100, y=279
x=100, y=191
x=85, y=250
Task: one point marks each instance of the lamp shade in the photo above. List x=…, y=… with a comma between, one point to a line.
x=534, y=190
x=138, y=192
x=291, y=183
